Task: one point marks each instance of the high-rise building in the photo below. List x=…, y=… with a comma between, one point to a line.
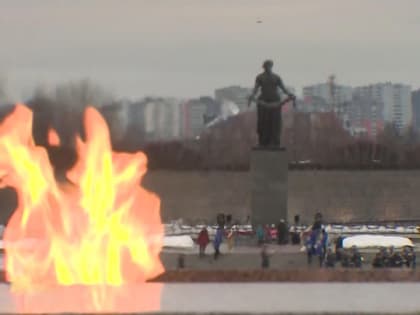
x=312, y=104
x=236, y=94
x=136, y=134
x=396, y=99
x=415, y=98
x=161, y=118
x=323, y=97
x=365, y=116
x=194, y=117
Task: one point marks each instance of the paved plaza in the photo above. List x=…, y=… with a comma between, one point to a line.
x=295, y=298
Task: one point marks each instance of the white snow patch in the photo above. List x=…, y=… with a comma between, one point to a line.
x=180, y=241
x=366, y=241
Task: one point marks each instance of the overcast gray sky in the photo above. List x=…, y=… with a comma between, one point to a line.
x=190, y=47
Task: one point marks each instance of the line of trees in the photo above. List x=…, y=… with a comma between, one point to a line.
x=313, y=141
x=320, y=145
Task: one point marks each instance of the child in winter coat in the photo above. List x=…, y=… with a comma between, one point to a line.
x=203, y=240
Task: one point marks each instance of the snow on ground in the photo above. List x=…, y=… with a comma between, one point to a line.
x=178, y=228
x=182, y=241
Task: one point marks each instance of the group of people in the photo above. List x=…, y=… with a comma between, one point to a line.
x=264, y=234
x=203, y=240
x=280, y=233
x=352, y=258
x=348, y=259
x=316, y=242
x=384, y=258
x=394, y=259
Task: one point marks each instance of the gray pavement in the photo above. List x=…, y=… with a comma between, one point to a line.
x=292, y=298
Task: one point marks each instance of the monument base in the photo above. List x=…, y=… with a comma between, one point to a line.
x=269, y=169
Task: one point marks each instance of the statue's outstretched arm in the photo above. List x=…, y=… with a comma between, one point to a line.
x=283, y=88
x=254, y=92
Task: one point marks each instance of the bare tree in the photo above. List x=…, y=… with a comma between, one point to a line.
x=79, y=94
x=62, y=108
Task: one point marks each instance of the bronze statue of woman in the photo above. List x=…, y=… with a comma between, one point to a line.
x=269, y=104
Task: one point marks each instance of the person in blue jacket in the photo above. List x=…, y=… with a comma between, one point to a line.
x=218, y=239
x=316, y=245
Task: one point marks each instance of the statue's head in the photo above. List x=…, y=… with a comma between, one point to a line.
x=268, y=65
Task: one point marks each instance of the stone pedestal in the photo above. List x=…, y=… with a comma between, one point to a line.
x=269, y=186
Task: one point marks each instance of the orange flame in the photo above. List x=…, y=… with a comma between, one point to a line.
x=100, y=230
x=53, y=138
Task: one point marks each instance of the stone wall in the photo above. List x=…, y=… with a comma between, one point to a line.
x=339, y=195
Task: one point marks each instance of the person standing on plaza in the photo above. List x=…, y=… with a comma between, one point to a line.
x=231, y=238
x=218, y=239
x=203, y=240
x=260, y=235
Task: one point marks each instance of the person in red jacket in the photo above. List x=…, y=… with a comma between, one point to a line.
x=203, y=240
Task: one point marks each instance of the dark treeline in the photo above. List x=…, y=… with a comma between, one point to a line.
x=321, y=144
x=227, y=146
x=313, y=140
